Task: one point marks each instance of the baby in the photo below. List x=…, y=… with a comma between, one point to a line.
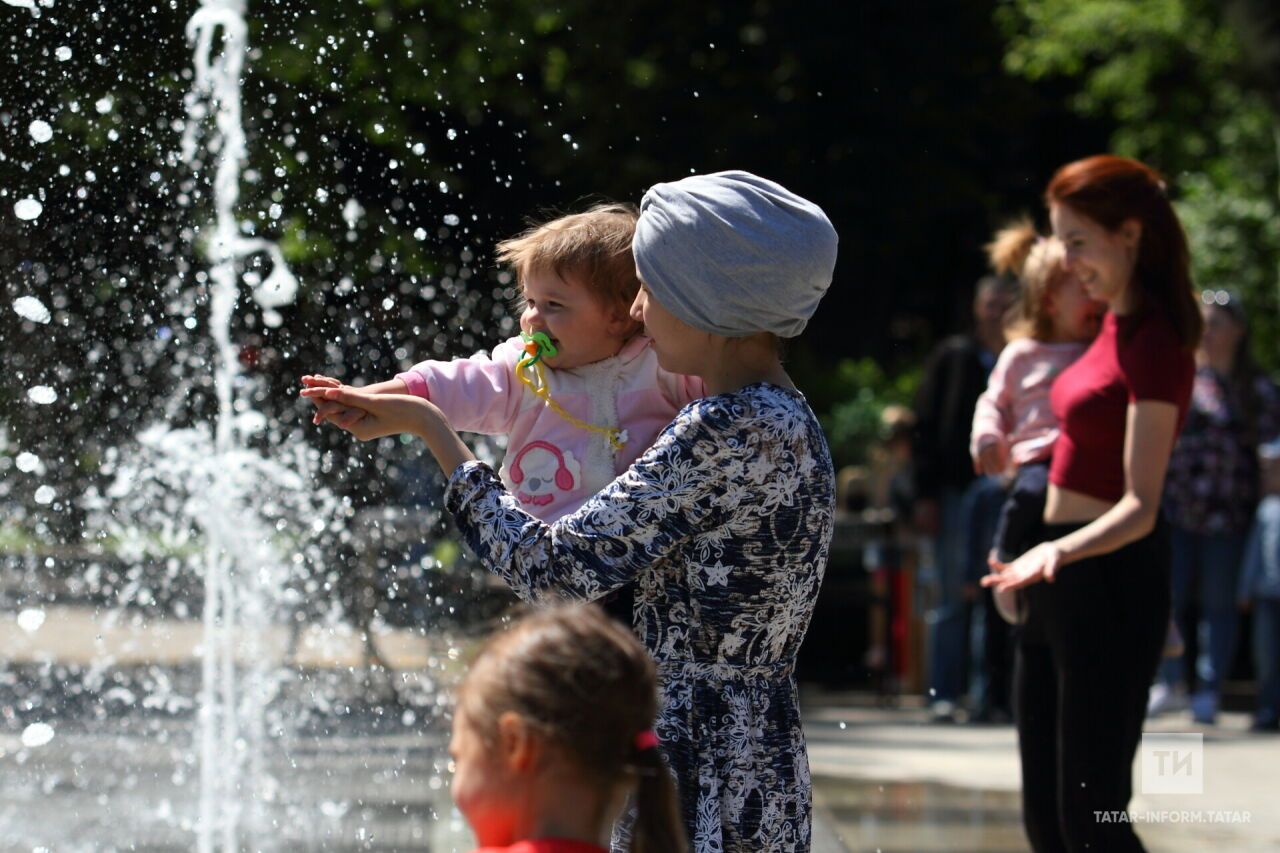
x=1014, y=429
x=601, y=400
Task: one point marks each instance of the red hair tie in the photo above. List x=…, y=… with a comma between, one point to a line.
x=647, y=739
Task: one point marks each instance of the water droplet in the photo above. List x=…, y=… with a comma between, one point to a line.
x=37, y=734
x=29, y=463
x=351, y=213
x=28, y=209
x=333, y=809
x=42, y=395
x=30, y=308
x=40, y=131
x=31, y=619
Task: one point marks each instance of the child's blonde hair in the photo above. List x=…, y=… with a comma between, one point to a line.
x=593, y=246
x=587, y=684
x=1019, y=250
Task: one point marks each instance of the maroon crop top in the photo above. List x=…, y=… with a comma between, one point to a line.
x=1091, y=397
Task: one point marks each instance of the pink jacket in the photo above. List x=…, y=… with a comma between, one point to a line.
x=551, y=466
x=1014, y=410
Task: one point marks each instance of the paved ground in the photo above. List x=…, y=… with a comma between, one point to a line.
x=886, y=779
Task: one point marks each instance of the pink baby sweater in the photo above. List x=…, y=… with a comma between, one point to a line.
x=1014, y=410
x=552, y=466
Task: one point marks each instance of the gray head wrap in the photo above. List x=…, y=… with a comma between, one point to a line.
x=734, y=254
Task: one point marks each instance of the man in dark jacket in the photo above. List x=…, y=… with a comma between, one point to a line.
x=954, y=377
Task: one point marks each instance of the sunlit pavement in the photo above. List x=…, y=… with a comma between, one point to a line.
x=887, y=779
x=79, y=634
x=884, y=778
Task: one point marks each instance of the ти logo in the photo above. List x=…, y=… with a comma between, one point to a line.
x=1172, y=763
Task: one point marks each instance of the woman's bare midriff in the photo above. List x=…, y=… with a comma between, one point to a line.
x=1063, y=506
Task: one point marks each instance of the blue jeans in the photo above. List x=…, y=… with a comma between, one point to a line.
x=1209, y=563
x=966, y=520
x=1266, y=656
x=990, y=651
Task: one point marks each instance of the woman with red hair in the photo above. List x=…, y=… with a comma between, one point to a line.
x=1097, y=589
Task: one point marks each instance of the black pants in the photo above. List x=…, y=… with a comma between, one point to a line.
x=1086, y=657
x=1021, y=515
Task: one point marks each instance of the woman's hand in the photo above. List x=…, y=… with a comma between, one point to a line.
x=375, y=415
x=336, y=413
x=326, y=410
x=1041, y=563
x=368, y=415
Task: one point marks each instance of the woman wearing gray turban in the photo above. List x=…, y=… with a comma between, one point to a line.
x=722, y=526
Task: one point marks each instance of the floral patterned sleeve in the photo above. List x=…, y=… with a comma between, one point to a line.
x=634, y=522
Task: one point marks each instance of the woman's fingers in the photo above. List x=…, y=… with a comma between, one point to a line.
x=348, y=418
x=345, y=396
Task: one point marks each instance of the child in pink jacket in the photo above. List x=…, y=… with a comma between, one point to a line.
x=1014, y=429
x=609, y=399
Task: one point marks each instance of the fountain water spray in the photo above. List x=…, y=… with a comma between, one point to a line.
x=232, y=712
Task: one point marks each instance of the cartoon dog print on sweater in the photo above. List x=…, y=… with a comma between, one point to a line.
x=541, y=470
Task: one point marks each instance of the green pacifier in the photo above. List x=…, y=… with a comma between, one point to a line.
x=537, y=346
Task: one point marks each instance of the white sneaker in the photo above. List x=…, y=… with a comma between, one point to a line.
x=1164, y=699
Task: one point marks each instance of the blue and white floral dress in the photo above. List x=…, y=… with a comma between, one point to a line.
x=723, y=526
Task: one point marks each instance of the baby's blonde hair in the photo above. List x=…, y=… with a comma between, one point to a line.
x=1019, y=250
x=593, y=246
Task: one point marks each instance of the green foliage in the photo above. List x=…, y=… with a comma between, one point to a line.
x=854, y=425
x=1172, y=77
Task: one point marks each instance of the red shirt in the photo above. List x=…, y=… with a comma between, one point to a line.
x=1132, y=359
x=546, y=845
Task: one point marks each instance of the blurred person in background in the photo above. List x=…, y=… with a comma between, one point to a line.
x=1211, y=492
x=955, y=375
x=1260, y=590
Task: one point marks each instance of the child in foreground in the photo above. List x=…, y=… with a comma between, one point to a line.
x=1014, y=429
x=602, y=399
x=553, y=730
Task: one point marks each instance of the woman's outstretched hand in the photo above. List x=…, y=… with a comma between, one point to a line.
x=336, y=413
x=367, y=414
x=1041, y=563
x=327, y=410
